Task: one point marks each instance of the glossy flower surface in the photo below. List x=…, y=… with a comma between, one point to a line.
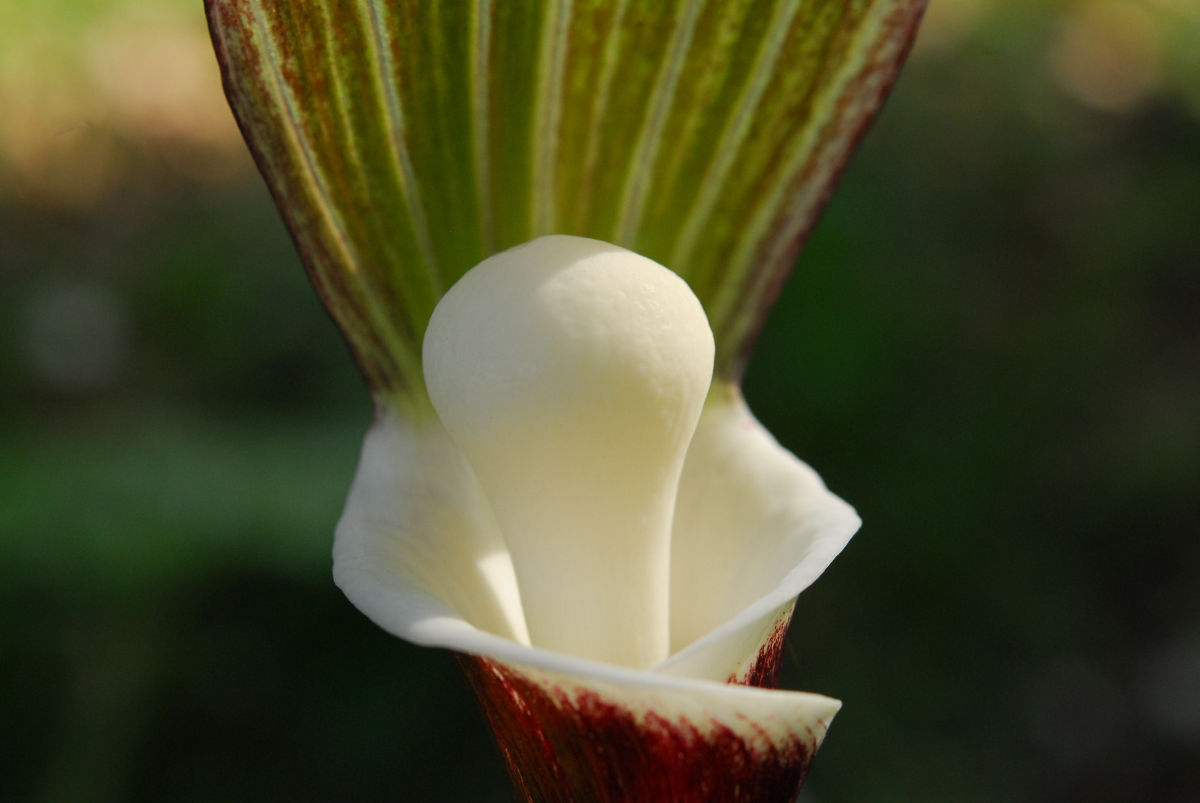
x=748, y=526
x=421, y=550
x=406, y=141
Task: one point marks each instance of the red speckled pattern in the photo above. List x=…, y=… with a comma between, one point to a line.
x=765, y=670
x=570, y=743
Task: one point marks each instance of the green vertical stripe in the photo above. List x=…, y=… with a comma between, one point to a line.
x=405, y=140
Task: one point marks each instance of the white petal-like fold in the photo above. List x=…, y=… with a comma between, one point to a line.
x=418, y=549
x=754, y=526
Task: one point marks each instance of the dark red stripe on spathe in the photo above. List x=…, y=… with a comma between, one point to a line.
x=572, y=744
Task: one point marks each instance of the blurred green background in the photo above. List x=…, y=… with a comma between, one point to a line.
x=991, y=347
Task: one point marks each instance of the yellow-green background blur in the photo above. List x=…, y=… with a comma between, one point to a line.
x=991, y=347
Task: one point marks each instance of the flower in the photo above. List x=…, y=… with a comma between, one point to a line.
x=420, y=550
x=405, y=142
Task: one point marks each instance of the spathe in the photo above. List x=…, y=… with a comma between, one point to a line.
x=418, y=550
x=404, y=141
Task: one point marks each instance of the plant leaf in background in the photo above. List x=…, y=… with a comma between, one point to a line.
x=406, y=141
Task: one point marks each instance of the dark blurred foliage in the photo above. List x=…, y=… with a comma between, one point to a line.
x=991, y=347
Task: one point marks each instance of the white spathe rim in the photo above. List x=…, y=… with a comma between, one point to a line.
x=392, y=597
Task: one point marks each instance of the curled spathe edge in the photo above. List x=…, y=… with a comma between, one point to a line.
x=418, y=551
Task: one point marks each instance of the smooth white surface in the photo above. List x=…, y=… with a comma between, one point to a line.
x=417, y=541
x=420, y=551
x=754, y=526
x=417, y=548
x=570, y=373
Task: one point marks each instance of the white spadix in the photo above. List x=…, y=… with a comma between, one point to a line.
x=571, y=373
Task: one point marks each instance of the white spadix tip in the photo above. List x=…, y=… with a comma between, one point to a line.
x=571, y=373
